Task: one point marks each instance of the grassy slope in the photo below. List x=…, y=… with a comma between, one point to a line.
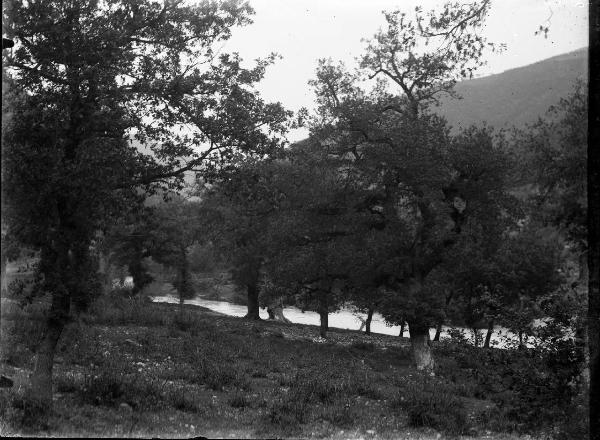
x=134, y=368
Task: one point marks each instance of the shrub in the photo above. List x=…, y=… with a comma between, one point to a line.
x=288, y=413
x=22, y=412
x=104, y=389
x=119, y=310
x=238, y=400
x=310, y=387
x=218, y=374
x=532, y=388
x=66, y=384
x=343, y=414
x=433, y=403
x=318, y=384
x=362, y=346
x=458, y=336
x=543, y=385
x=367, y=389
x=182, y=401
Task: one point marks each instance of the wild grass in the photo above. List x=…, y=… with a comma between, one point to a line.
x=169, y=365
x=432, y=403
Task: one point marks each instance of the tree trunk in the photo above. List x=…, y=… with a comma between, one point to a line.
x=104, y=272
x=368, y=321
x=438, y=332
x=184, y=284
x=419, y=340
x=253, y=307
x=476, y=336
x=402, y=329
x=275, y=311
x=521, y=346
x=41, y=379
x=323, y=314
x=4, y=279
x=278, y=313
x=488, y=336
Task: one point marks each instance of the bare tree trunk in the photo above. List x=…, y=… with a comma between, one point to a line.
x=438, y=332
x=104, y=272
x=4, y=279
x=41, y=379
x=402, y=329
x=253, y=307
x=488, y=336
x=323, y=314
x=184, y=283
x=521, y=345
x=368, y=321
x=419, y=340
x=275, y=311
x=476, y=336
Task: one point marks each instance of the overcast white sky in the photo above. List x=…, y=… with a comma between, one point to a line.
x=302, y=31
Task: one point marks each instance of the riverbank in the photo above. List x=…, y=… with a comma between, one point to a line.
x=345, y=318
x=135, y=368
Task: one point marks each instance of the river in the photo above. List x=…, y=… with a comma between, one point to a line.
x=344, y=319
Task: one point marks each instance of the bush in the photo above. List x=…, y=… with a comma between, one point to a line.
x=182, y=401
x=322, y=384
x=433, y=403
x=119, y=382
x=22, y=412
x=343, y=414
x=317, y=384
x=543, y=385
x=119, y=310
x=104, y=389
x=66, y=384
x=362, y=346
x=218, y=375
x=238, y=400
x=532, y=388
x=288, y=413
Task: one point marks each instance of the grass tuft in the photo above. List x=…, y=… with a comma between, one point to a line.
x=433, y=403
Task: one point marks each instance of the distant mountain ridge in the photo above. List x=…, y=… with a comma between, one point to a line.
x=517, y=96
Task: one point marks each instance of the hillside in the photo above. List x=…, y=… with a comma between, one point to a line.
x=131, y=368
x=517, y=96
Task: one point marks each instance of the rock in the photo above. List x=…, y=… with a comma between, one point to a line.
x=126, y=407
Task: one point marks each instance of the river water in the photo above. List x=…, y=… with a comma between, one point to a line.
x=344, y=319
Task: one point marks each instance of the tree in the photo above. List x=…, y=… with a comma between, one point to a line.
x=529, y=269
x=88, y=76
x=554, y=153
x=391, y=134
x=173, y=232
x=239, y=207
x=312, y=233
x=128, y=243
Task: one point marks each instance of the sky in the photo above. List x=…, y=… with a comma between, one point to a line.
x=302, y=31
